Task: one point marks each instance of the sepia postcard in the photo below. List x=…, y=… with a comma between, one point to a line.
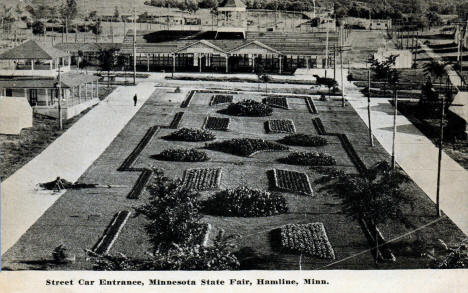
x=234, y=145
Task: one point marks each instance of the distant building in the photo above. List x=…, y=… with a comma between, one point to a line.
x=29, y=83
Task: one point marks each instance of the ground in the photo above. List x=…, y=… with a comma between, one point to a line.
x=84, y=214
x=17, y=150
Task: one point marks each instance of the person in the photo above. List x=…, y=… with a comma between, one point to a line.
x=135, y=99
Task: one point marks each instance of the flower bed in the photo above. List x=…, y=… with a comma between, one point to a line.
x=202, y=179
x=280, y=126
x=279, y=102
x=183, y=155
x=246, y=202
x=217, y=123
x=249, y=108
x=310, y=239
x=309, y=159
x=306, y=140
x=245, y=146
x=176, y=121
x=291, y=181
x=189, y=134
x=220, y=99
x=105, y=242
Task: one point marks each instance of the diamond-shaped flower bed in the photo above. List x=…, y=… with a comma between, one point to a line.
x=280, y=126
x=220, y=99
x=291, y=181
x=278, y=102
x=310, y=239
x=202, y=179
x=217, y=123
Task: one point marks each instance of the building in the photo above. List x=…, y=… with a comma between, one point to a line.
x=30, y=83
x=229, y=47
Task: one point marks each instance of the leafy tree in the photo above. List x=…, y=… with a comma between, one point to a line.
x=116, y=12
x=436, y=68
x=96, y=28
x=376, y=196
x=172, y=213
x=38, y=27
x=456, y=258
x=107, y=61
x=385, y=70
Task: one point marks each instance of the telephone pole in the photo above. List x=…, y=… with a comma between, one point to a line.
x=439, y=161
x=134, y=46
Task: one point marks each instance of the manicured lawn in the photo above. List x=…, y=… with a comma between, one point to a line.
x=17, y=150
x=80, y=217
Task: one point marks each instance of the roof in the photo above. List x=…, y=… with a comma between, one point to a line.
x=68, y=80
x=86, y=47
x=232, y=3
x=33, y=49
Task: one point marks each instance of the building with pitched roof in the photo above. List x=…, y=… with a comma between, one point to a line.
x=33, y=77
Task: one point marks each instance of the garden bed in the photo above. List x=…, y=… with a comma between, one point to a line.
x=245, y=146
x=220, y=99
x=140, y=184
x=310, y=239
x=189, y=134
x=216, y=123
x=182, y=155
x=280, y=126
x=111, y=233
x=308, y=159
x=278, y=102
x=290, y=181
x=202, y=179
x=176, y=121
x=306, y=140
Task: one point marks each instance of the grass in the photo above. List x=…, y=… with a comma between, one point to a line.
x=68, y=218
x=18, y=150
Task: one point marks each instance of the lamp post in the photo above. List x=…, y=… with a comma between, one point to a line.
x=440, y=155
x=371, y=138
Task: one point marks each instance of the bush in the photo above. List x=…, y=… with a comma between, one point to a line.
x=189, y=134
x=309, y=158
x=38, y=28
x=183, y=155
x=245, y=146
x=172, y=213
x=249, y=108
x=246, y=202
x=300, y=139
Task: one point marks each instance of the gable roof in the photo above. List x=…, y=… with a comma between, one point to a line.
x=260, y=44
x=33, y=49
x=233, y=3
x=204, y=42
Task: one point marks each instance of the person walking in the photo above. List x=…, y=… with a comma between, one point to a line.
x=135, y=99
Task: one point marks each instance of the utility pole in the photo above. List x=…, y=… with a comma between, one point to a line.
x=326, y=54
x=341, y=68
x=134, y=45
x=371, y=138
x=59, y=96
x=441, y=138
x=394, y=126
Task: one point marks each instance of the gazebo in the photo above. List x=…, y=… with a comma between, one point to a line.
x=33, y=58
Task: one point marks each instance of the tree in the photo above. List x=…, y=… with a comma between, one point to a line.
x=96, y=28
x=116, y=12
x=172, y=213
x=436, y=68
x=260, y=72
x=121, y=62
x=38, y=28
x=68, y=12
x=456, y=258
x=376, y=196
x=107, y=61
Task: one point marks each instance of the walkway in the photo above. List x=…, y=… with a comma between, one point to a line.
x=68, y=157
x=417, y=155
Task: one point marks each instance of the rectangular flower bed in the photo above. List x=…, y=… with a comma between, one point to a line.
x=291, y=181
x=278, y=102
x=310, y=239
x=280, y=126
x=216, y=123
x=202, y=179
x=220, y=99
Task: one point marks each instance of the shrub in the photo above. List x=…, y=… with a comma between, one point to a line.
x=309, y=158
x=246, y=202
x=183, y=155
x=301, y=139
x=172, y=213
x=249, y=108
x=245, y=146
x=189, y=134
